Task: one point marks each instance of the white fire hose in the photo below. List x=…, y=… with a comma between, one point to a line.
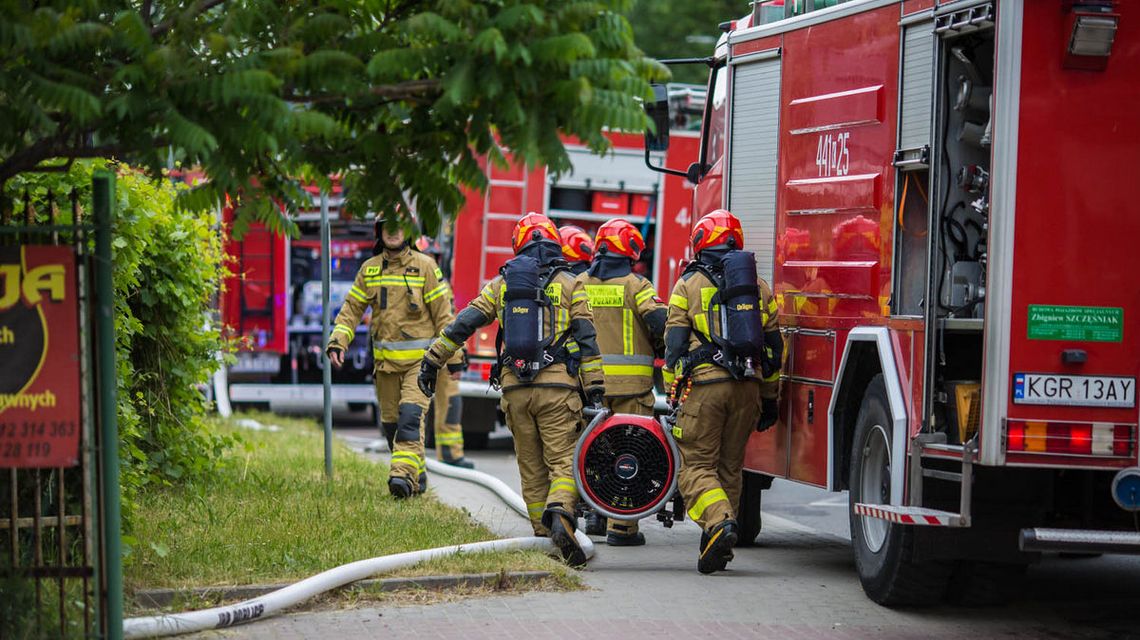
x=272, y=603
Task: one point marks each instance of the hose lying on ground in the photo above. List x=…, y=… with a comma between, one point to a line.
x=272, y=603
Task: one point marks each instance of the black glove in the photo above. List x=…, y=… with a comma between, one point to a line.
x=769, y=414
x=595, y=395
x=456, y=368
x=426, y=380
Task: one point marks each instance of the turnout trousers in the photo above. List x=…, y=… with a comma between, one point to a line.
x=544, y=423
x=448, y=409
x=711, y=432
x=402, y=408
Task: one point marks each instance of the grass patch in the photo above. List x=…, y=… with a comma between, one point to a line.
x=270, y=516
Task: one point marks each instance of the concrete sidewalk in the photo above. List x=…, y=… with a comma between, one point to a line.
x=799, y=584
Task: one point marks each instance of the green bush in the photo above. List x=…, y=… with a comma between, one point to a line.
x=168, y=265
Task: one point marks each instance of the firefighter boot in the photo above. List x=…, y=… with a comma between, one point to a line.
x=423, y=483
x=624, y=534
x=399, y=487
x=561, y=526
x=595, y=523
x=716, y=547
x=446, y=457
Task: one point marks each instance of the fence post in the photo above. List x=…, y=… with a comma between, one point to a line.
x=326, y=322
x=103, y=195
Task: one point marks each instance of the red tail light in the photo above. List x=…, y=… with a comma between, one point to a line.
x=1070, y=438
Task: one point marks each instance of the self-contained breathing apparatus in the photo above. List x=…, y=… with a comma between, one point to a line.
x=526, y=342
x=735, y=319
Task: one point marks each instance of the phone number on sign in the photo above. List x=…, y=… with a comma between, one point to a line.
x=30, y=439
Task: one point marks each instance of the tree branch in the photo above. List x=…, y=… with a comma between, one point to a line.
x=197, y=10
x=407, y=90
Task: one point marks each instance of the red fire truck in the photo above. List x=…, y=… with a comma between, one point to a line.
x=942, y=195
x=273, y=299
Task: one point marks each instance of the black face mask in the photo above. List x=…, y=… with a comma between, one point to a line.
x=713, y=256
x=607, y=267
x=545, y=252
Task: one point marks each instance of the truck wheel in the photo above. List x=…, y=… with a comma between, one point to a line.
x=884, y=550
x=748, y=518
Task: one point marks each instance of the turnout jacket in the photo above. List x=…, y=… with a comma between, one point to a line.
x=630, y=319
x=571, y=313
x=688, y=317
x=410, y=304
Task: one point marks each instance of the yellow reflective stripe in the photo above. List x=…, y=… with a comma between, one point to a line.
x=644, y=295
x=358, y=293
x=667, y=376
x=535, y=509
x=572, y=346
x=591, y=366
x=407, y=457
x=411, y=281
x=345, y=329
x=438, y=273
x=702, y=322
x=398, y=354
x=707, y=499
x=679, y=301
x=707, y=294
x=435, y=293
x=448, y=342
x=775, y=377
x=488, y=294
x=773, y=307
x=449, y=438
x=627, y=331
x=579, y=295
x=562, y=321
x=563, y=484
x=627, y=370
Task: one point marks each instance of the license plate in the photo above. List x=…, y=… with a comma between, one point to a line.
x=257, y=363
x=1079, y=391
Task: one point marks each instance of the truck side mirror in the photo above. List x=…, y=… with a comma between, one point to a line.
x=657, y=139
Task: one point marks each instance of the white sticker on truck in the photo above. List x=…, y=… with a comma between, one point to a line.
x=1079, y=391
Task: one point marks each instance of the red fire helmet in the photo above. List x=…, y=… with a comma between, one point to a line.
x=717, y=228
x=577, y=246
x=620, y=237
x=534, y=227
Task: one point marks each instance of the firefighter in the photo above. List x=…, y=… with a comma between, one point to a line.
x=630, y=320
x=719, y=394
x=535, y=295
x=410, y=304
x=448, y=404
x=577, y=248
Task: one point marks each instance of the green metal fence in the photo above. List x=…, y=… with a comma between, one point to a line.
x=60, y=553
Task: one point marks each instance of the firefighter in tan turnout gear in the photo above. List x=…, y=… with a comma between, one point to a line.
x=722, y=334
x=630, y=320
x=447, y=407
x=547, y=343
x=410, y=304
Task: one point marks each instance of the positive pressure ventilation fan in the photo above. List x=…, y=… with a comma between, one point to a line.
x=626, y=465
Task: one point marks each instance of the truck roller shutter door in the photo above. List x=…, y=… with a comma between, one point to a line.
x=752, y=156
x=916, y=103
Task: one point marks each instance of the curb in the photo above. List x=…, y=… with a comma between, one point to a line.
x=157, y=598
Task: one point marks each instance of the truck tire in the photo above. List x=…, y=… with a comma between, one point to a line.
x=748, y=517
x=884, y=551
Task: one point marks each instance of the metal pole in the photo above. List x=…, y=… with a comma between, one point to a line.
x=326, y=326
x=103, y=192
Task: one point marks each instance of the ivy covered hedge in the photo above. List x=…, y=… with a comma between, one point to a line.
x=168, y=267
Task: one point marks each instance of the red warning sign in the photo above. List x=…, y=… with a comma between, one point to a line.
x=39, y=357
